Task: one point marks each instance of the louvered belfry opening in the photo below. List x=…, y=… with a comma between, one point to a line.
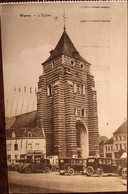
x=66, y=72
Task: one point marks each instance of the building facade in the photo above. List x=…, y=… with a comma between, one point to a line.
x=67, y=103
x=102, y=141
x=21, y=146
x=120, y=140
x=116, y=145
x=108, y=148
x=23, y=137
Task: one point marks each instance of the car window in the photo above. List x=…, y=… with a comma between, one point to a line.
x=84, y=161
x=91, y=160
x=37, y=161
x=100, y=161
x=109, y=161
x=72, y=162
x=80, y=162
x=61, y=161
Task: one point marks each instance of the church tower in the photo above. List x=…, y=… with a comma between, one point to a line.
x=67, y=103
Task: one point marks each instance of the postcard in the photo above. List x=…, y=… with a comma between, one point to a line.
x=65, y=96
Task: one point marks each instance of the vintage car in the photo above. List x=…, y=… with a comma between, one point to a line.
x=101, y=165
x=16, y=165
x=72, y=165
x=37, y=165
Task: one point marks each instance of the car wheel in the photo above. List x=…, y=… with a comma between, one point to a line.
x=99, y=171
x=71, y=171
x=47, y=169
x=90, y=171
x=53, y=168
x=124, y=173
x=27, y=170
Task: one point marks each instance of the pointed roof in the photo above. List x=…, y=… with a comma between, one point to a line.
x=110, y=141
x=122, y=128
x=66, y=47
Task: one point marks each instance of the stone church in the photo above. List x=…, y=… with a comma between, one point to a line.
x=67, y=103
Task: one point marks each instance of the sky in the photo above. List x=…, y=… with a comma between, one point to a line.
x=99, y=32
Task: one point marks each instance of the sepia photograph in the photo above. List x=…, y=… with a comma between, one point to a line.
x=65, y=96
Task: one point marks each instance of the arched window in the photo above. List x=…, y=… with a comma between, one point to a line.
x=82, y=89
x=53, y=63
x=13, y=134
x=75, y=111
x=72, y=62
x=29, y=134
x=82, y=112
x=82, y=66
x=49, y=90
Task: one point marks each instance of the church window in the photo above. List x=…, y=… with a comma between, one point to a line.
x=49, y=90
x=13, y=134
x=15, y=146
x=75, y=111
x=94, y=96
x=82, y=66
x=29, y=134
x=82, y=89
x=72, y=62
x=82, y=112
x=75, y=88
x=53, y=63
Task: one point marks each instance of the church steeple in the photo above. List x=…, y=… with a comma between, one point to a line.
x=66, y=47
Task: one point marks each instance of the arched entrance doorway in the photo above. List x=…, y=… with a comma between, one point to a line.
x=82, y=139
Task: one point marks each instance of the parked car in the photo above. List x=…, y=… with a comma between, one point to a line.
x=72, y=165
x=19, y=163
x=37, y=165
x=101, y=165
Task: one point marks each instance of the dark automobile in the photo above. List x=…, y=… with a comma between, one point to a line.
x=37, y=165
x=101, y=165
x=16, y=165
x=71, y=165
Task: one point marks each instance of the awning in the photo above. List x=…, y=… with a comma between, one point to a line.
x=124, y=155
